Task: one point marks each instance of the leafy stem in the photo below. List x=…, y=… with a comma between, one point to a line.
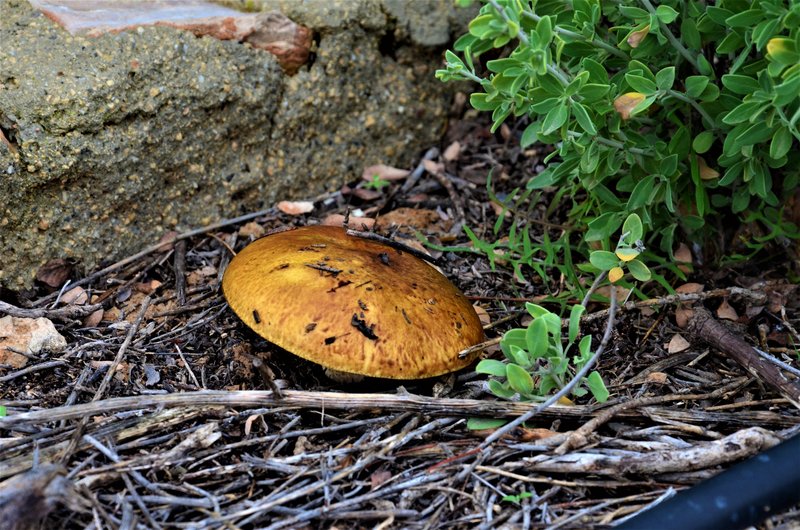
x=700, y=110
x=671, y=38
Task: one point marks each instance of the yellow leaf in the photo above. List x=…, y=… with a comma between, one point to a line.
x=564, y=400
x=706, y=173
x=615, y=274
x=625, y=103
x=638, y=36
x=777, y=45
x=626, y=254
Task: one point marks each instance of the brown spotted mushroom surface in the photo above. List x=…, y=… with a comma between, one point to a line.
x=351, y=304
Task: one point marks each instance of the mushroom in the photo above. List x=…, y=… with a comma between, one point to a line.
x=351, y=304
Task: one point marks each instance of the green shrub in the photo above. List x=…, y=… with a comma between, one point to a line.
x=678, y=112
x=537, y=361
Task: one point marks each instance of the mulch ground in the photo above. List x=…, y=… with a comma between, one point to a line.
x=161, y=412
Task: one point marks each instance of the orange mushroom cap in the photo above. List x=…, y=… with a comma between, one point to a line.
x=351, y=304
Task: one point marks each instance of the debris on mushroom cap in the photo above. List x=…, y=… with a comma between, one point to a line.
x=351, y=304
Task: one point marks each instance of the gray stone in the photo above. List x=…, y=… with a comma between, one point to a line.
x=119, y=138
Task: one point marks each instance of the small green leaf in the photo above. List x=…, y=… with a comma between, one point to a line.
x=535, y=310
x=584, y=347
x=555, y=119
x=703, y=142
x=747, y=18
x=633, y=227
x=529, y=135
x=665, y=77
x=480, y=101
x=582, y=115
x=703, y=66
x=642, y=193
x=740, y=84
x=544, y=28
x=591, y=92
x=669, y=165
x=719, y=15
x=639, y=270
x=640, y=84
x=3, y=411
x=743, y=112
x=491, y=367
x=666, y=14
x=520, y=356
x=536, y=338
x=633, y=12
x=519, y=379
x=482, y=27
x=500, y=390
x=781, y=143
x=695, y=84
x=514, y=337
x=603, y=259
x=690, y=35
x=597, y=387
x=482, y=424
x=575, y=322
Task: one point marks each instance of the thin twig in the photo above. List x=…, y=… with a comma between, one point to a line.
x=68, y=312
x=180, y=272
x=397, y=245
x=757, y=297
x=34, y=368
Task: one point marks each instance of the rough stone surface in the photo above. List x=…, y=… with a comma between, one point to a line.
x=117, y=139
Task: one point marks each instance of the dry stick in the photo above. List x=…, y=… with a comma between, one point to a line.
x=303, y=399
x=180, y=272
x=412, y=179
x=579, y=437
x=461, y=218
x=397, y=245
x=30, y=369
x=703, y=455
x=112, y=369
x=69, y=312
x=705, y=327
x=757, y=297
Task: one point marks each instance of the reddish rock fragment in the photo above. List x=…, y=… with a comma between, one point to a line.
x=270, y=31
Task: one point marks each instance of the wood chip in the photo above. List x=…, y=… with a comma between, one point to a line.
x=384, y=172
x=658, y=378
x=683, y=255
x=682, y=316
x=54, y=273
x=432, y=167
x=726, y=312
x=677, y=344
x=295, y=207
x=452, y=152
x=75, y=296
x=252, y=229
x=690, y=288
x=357, y=223
x=93, y=319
